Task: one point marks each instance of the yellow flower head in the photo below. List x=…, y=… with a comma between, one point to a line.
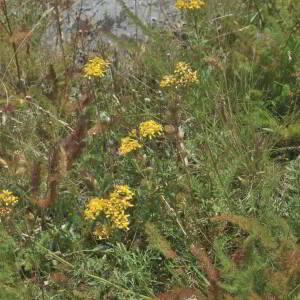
x=149, y=129
x=121, y=221
x=7, y=201
x=182, y=76
x=122, y=192
x=189, y=4
x=94, y=208
x=128, y=144
x=185, y=74
x=96, y=67
x=121, y=198
x=103, y=232
x=168, y=80
x=113, y=208
x=5, y=211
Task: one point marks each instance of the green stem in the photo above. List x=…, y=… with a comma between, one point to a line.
x=14, y=46
x=217, y=171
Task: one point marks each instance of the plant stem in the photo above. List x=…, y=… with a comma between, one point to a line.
x=14, y=46
x=217, y=171
x=60, y=38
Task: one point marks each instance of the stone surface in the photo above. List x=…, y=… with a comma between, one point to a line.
x=110, y=16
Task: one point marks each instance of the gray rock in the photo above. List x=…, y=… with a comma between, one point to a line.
x=94, y=16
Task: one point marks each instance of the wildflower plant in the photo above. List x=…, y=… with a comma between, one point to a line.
x=183, y=76
x=189, y=4
x=96, y=67
x=113, y=209
x=150, y=129
x=7, y=202
x=135, y=139
x=129, y=144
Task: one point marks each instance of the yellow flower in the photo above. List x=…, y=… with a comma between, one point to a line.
x=182, y=76
x=103, y=232
x=113, y=209
x=4, y=211
x=189, y=4
x=94, y=208
x=7, y=201
x=96, y=67
x=168, y=80
x=122, y=192
x=128, y=144
x=121, y=221
x=149, y=129
x=7, y=198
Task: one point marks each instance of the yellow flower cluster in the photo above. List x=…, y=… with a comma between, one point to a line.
x=103, y=232
x=189, y=4
x=7, y=202
x=128, y=144
x=182, y=76
x=148, y=129
x=96, y=67
x=113, y=208
x=168, y=80
x=94, y=208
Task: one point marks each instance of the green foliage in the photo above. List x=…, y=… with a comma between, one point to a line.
x=11, y=286
x=291, y=133
x=158, y=242
x=257, y=268
x=286, y=203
